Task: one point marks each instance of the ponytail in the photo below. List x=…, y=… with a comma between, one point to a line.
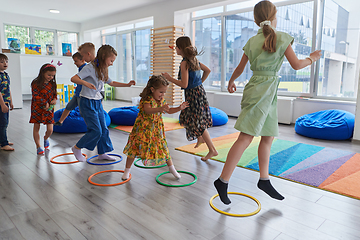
x=270, y=39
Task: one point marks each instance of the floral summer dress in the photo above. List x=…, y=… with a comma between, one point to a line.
x=258, y=116
x=41, y=96
x=147, y=138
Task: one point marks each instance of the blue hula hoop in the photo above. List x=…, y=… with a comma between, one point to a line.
x=108, y=163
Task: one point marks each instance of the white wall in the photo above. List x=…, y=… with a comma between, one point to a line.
x=30, y=66
x=30, y=21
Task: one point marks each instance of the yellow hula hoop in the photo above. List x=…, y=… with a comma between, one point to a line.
x=233, y=214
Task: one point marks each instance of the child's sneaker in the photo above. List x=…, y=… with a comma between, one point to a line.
x=39, y=151
x=46, y=143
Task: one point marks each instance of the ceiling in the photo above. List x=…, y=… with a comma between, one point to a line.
x=71, y=10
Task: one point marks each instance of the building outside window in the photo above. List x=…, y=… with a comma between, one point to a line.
x=132, y=43
x=336, y=34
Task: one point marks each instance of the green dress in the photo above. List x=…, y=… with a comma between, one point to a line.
x=258, y=116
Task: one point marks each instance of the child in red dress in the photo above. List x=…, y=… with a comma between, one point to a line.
x=44, y=97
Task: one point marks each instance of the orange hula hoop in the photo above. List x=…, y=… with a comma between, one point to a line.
x=63, y=154
x=108, y=185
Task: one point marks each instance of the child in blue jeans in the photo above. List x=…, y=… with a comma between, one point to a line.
x=92, y=77
x=5, y=103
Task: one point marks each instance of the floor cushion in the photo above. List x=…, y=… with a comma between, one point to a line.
x=330, y=124
x=74, y=123
x=124, y=115
x=219, y=117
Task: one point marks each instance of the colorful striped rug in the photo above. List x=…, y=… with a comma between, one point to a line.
x=169, y=124
x=326, y=168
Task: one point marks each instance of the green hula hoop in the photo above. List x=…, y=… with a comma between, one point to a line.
x=183, y=185
x=159, y=166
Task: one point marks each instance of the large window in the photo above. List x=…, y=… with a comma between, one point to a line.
x=208, y=40
x=49, y=40
x=336, y=34
x=132, y=43
x=21, y=33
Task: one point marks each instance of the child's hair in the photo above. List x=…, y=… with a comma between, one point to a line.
x=266, y=11
x=189, y=52
x=3, y=57
x=77, y=55
x=104, y=52
x=39, y=80
x=88, y=46
x=155, y=81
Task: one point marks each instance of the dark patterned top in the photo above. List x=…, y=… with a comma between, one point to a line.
x=41, y=96
x=5, y=87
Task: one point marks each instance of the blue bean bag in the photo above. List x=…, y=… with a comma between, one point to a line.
x=124, y=115
x=74, y=123
x=219, y=117
x=328, y=124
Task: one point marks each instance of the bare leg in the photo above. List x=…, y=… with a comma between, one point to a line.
x=129, y=162
x=233, y=157
x=49, y=131
x=200, y=141
x=264, y=159
x=36, y=134
x=264, y=155
x=212, y=150
x=64, y=116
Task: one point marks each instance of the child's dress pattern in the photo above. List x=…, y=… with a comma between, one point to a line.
x=197, y=117
x=41, y=96
x=258, y=116
x=147, y=138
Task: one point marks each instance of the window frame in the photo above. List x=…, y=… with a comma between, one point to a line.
x=32, y=37
x=318, y=19
x=133, y=46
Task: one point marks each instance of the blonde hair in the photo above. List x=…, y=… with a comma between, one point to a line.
x=266, y=11
x=189, y=52
x=88, y=47
x=155, y=81
x=103, y=53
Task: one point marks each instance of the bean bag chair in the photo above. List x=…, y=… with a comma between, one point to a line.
x=124, y=115
x=328, y=124
x=74, y=123
x=219, y=117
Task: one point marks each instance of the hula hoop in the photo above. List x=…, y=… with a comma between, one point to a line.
x=63, y=154
x=159, y=166
x=233, y=214
x=183, y=185
x=108, y=185
x=108, y=163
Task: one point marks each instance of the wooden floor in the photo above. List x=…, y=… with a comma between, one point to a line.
x=41, y=200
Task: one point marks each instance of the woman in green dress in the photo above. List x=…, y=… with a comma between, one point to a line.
x=258, y=116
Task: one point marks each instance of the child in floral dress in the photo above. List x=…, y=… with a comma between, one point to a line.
x=147, y=138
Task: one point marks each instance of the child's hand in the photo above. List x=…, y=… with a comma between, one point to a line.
x=231, y=87
x=165, y=108
x=166, y=75
x=315, y=55
x=132, y=82
x=184, y=105
x=89, y=85
x=4, y=108
x=47, y=105
x=53, y=102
